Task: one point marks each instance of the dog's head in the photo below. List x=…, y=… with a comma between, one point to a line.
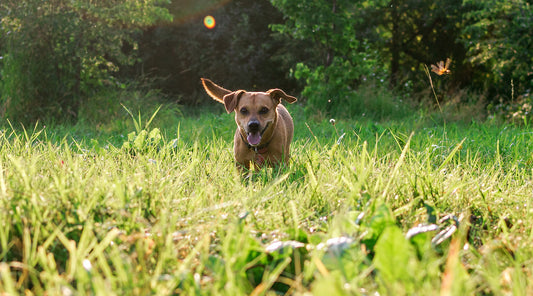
x=255, y=112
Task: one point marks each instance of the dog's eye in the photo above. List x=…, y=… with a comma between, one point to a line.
x=244, y=111
x=263, y=110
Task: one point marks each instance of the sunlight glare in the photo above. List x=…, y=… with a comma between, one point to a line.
x=209, y=22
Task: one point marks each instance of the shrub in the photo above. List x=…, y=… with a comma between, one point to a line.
x=56, y=53
x=498, y=38
x=346, y=61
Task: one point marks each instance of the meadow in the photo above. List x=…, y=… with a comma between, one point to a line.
x=418, y=206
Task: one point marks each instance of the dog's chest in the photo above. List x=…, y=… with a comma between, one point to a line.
x=259, y=157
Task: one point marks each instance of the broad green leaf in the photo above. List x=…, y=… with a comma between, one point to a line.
x=395, y=258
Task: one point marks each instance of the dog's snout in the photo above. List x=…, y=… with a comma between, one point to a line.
x=253, y=126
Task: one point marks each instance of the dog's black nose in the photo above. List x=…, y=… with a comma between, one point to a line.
x=253, y=126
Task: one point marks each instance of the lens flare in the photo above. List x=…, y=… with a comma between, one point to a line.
x=209, y=22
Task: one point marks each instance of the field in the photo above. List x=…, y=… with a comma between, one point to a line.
x=411, y=207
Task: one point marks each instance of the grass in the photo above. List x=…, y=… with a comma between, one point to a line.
x=359, y=210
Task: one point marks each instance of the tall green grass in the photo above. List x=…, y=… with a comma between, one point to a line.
x=172, y=215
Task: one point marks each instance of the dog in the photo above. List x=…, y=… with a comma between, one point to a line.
x=264, y=126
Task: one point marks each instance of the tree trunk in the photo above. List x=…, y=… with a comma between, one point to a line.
x=395, y=44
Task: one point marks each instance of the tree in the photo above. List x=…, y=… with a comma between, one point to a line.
x=56, y=53
x=342, y=60
x=498, y=38
x=488, y=42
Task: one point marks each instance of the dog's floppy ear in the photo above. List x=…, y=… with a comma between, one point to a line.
x=277, y=94
x=230, y=100
x=214, y=91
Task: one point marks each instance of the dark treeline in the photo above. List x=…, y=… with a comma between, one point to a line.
x=239, y=52
x=56, y=54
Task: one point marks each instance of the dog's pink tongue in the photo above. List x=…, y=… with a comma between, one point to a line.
x=254, y=139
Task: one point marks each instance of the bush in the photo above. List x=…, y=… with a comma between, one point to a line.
x=330, y=82
x=56, y=53
x=498, y=38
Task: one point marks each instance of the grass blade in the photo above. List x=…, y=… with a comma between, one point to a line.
x=451, y=155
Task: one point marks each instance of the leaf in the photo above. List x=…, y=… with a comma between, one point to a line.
x=432, y=215
x=330, y=285
x=131, y=136
x=155, y=136
x=140, y=140
x=380, y=220
x=153, y=116
x=393, y=257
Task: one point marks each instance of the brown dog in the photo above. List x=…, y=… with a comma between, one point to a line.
x=264, y=127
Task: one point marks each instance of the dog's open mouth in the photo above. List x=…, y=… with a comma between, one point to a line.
x=254, y=138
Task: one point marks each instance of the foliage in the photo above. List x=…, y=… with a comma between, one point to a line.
x=411, y=34
x=343, y=61
x=143, y=140
x=497, y=37
x=487, y=42
x=357, y=214
x=57, y=53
